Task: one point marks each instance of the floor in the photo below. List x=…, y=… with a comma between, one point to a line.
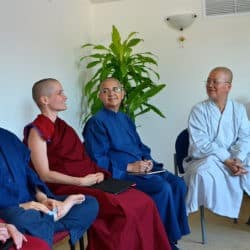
x=222, y=233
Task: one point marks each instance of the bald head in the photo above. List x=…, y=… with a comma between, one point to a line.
x=43, y=87
x=226, y=71
x=110, y=79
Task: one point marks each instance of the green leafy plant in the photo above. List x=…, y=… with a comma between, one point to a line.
x=134, y=70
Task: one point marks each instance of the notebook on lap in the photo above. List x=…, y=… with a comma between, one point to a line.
x=114, y=186
x=148, y=173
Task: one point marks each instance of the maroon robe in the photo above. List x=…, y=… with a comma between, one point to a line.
x=31, y=243
x=128, y=221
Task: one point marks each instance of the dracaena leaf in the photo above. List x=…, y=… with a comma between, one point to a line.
x=87, y=45
x=136, y=71
x=92, y=64
x=134, y=42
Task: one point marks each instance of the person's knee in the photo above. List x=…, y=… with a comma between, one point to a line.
x=207, y=164
x=179, y=185
x=91, y=207
x=211, y=159
x=167, y=187
x=93, y=204
x=151, y=184
x=156, y=185
x=85, y=213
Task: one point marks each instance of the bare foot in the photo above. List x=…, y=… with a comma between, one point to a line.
x=67, y=204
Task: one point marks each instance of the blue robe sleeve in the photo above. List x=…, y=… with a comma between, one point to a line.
x=145, y=150
x=35, y=182
x=33, y=179
x=115, y=144
x=21, y=181
x=97, y=145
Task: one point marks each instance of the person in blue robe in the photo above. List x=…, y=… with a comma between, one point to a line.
x=27, y=203
x=113, y=143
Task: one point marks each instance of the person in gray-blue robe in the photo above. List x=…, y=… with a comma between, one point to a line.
x=217, y=166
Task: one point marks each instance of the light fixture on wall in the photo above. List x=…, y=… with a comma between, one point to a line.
x=181, y=22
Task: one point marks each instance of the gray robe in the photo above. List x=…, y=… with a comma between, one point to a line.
x=215, y=137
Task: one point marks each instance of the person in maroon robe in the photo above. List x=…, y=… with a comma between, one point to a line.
x=125, y=221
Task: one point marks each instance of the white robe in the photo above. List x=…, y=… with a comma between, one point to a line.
x=215, y=137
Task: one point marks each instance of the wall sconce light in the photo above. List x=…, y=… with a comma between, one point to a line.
x=180, y=22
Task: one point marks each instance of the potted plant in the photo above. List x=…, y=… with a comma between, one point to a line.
x=134, y=70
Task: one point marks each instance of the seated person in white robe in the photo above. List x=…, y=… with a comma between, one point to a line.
x=217, y=167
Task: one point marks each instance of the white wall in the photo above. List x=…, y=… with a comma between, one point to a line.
x=210, y=42
x=40, y=39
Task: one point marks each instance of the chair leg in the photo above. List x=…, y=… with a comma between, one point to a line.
x=81, y=243
x=203, y=226
x=248, y=221
x=72, y=247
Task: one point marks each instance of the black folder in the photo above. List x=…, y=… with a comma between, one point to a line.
x=114, y=186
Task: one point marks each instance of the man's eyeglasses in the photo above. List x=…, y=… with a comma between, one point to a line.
x=108, y=91
x=215, y=82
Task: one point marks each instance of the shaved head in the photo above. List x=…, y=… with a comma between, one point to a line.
x=43, y=87
x=110, y=79
x=226, y=71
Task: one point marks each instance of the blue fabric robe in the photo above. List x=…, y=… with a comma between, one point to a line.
x=18, y=183
x=112, y=141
